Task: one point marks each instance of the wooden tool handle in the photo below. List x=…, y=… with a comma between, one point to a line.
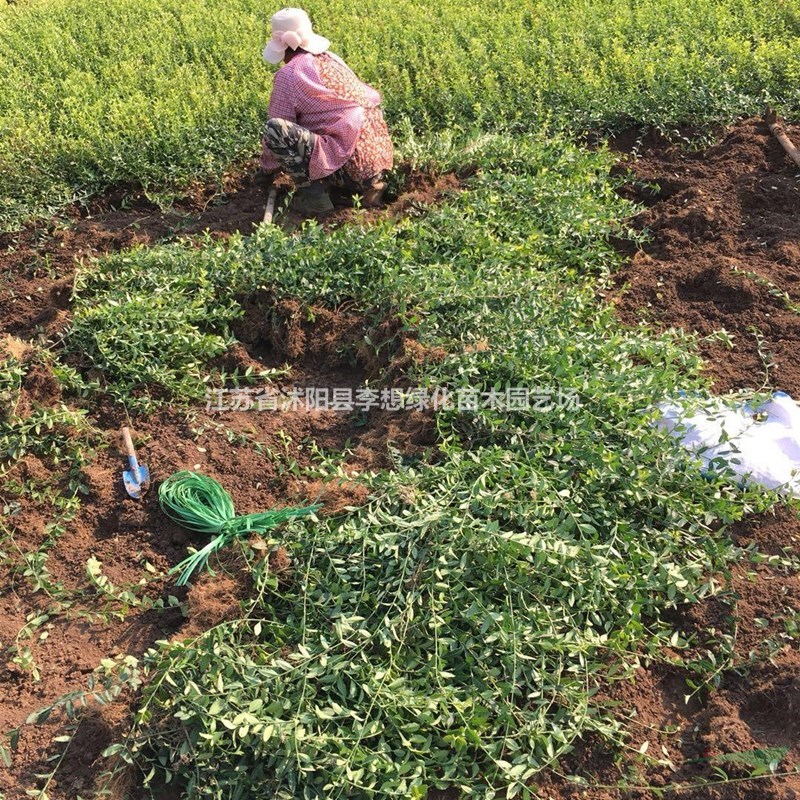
x=270, y=209
x=780, y=134
x=128, y=442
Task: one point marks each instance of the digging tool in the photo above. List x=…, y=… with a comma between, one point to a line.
x=137, y=478
x=270, y=210
x=778, y=132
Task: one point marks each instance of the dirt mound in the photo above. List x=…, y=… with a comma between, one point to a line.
x=419, y=190
x=37, y=264
x=265, y=459
x=696, y=736
x=273, y=332
x=279, y=330
x=724, y=253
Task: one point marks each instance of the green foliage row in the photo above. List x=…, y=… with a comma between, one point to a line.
x=58, y=435
x=159, y=92
x=451, y=631
x=152, y=93
x=59, y=438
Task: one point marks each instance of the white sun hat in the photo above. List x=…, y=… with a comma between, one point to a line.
x=291, y=28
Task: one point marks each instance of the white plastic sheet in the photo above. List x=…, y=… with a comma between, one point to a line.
x=761, y=445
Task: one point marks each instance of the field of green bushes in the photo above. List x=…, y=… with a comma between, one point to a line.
x=160, y=92
x=452, y=631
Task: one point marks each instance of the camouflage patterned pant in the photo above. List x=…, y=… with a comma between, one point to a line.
x=292, y=145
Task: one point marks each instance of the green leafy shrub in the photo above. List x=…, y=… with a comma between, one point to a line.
x=159, y=93
x=452, y=631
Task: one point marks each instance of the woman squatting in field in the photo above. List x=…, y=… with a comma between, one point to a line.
x=325, y=126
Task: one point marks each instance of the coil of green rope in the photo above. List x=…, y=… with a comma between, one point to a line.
x=200, y=504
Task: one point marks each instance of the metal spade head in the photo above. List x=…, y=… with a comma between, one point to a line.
x=137, y=480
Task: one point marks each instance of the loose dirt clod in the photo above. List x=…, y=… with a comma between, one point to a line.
x=724, y=254
x=11, y=347
x=720, y=231
x=259, y=457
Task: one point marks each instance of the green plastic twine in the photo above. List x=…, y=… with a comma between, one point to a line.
x=200, y=504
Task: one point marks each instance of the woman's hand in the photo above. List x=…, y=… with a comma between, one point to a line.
x=266, y=177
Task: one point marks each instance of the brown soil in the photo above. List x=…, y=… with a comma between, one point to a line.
x=716, y=212
x=691, y=730
x=263, y=459
x=724, y=252
x=420, y=190
x=259, y=457
x=37, y=264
